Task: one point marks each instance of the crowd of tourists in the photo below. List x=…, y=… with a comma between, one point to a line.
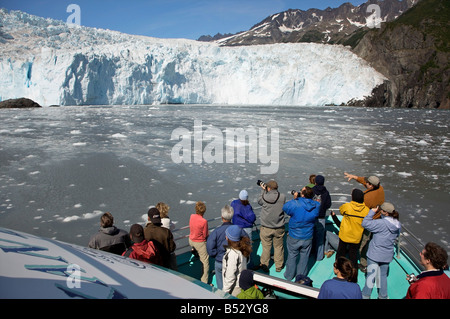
x=365, y=241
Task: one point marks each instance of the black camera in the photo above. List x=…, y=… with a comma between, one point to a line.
x=294, y=191
x=261, y=183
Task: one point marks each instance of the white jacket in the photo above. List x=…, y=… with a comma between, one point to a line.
x=233, y=263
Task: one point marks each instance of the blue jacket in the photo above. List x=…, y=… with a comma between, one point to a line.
x=337, y=288
x=243, y=216
x=303, y=212
x=385, y=231
x=216, y=242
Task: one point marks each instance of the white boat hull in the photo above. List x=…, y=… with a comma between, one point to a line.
x=39, y=268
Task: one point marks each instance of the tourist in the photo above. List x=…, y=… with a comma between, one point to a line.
x=248, y=288
x=235, y=259
x=163, y=209
x=303, y=212
x=381, y=248
x=374, y=193
x=432, y=283
x=198, y=227
x=351, y=231
x=216, y=242
x=272, y=225
x=142, y=249
x=312, y=181
x=321, y=195
x=373, y=197
x=110, y=238
x=344, y=285
x=161, y=237
x=243, y=216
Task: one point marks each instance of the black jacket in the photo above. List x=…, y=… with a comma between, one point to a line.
x=322, y=193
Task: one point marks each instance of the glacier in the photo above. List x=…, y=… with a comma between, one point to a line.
x=54, y=63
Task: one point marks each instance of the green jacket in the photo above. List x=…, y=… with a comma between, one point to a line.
x=251, y=293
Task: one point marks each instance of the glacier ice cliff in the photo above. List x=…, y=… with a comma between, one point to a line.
x=53, y=63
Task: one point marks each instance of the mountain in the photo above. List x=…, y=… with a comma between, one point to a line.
x=408, y=44
x=332, y=25
x=413, y=52
x=55, y=64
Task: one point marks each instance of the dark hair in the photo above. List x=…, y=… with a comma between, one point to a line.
x=244, y=245
x=137, y=233
x=345, y=267
x=244, y=202
x=358, y=195
x=107, y=220
x=394, y=215
x=436, y=254
x=307, y=192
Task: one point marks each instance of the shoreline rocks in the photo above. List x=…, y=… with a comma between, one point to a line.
x=20, y=103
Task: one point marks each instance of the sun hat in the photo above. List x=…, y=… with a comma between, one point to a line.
x=387, y=207
x=233, y=233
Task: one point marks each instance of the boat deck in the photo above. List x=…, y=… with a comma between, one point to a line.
x=319, y=271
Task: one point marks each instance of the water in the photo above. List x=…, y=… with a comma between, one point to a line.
x=61, y=168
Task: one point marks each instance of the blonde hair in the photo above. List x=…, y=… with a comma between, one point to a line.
x=163, y=209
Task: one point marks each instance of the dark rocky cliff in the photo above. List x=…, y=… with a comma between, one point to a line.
x=413, y=52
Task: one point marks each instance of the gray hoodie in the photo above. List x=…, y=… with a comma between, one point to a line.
x=385, y=231
x=109, y=237
x=272, y=215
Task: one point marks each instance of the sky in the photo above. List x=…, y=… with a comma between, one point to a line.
x=188, y=19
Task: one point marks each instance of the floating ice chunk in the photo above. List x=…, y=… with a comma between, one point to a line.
x=422, y=142
x=118, y=135
x=404, y=174
x=23, y=130
x=71, y=219
x=79, y=144
x=187, y=202
x=94, y=214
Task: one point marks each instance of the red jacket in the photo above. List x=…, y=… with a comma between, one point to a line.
x=431, y=285
x=144, y=251
x=198, y=228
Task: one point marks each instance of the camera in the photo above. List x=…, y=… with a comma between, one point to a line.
x=411, y=278
x=294, y=191
x=261, y=183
